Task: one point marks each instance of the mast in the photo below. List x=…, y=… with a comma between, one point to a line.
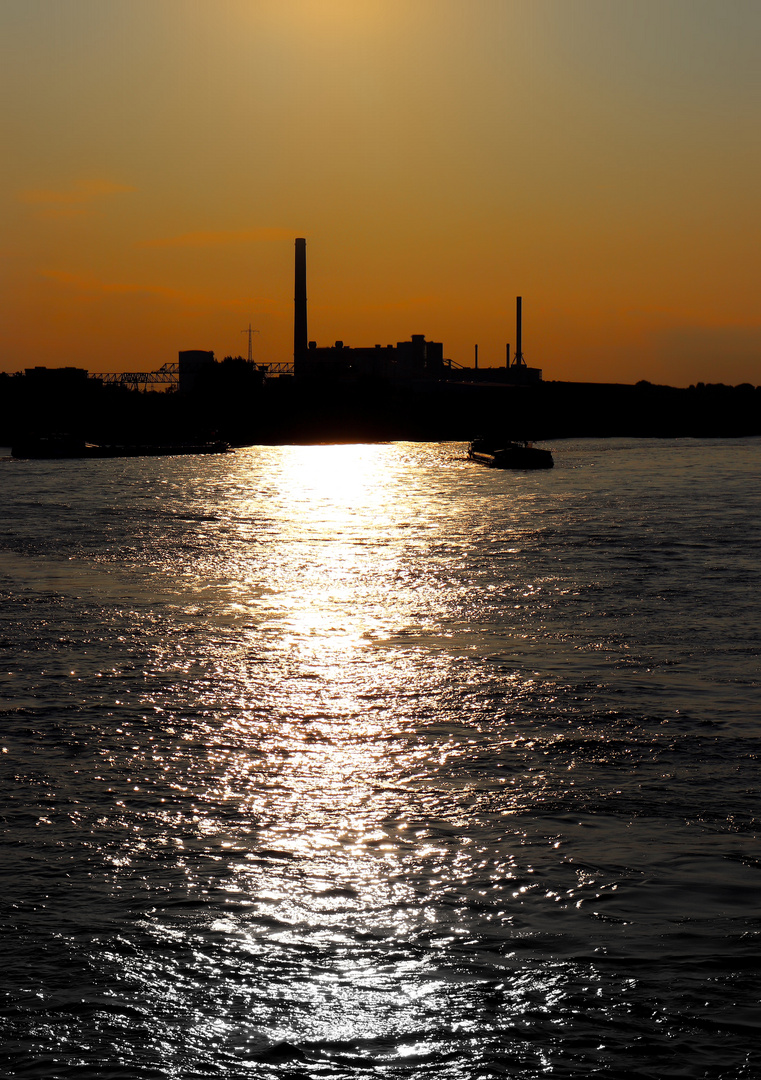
x=250, y=348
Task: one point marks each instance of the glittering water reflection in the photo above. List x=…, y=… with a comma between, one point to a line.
x=339, y=760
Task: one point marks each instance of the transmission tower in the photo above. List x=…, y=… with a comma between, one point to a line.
x=250, y=333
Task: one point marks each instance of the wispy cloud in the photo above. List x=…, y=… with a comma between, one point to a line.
x=220, y=237
x=71, y=201
x=84, y=283
x=94, y=287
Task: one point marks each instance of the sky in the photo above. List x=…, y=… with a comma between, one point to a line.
x=600, y=158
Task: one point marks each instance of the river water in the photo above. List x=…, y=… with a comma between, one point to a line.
x=366, y=761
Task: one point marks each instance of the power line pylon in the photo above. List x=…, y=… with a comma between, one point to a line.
x=250, y=332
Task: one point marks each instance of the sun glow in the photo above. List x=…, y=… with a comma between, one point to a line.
x=336, y=475
x=339, y=21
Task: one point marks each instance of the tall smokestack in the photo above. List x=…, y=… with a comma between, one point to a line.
x=518, y=329
x=300, y=303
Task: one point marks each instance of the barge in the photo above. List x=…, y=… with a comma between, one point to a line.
x=510, y=455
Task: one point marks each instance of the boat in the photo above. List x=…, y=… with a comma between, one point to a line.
x=64, y=446
x=509, y=455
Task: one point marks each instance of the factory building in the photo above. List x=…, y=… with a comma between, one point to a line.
x=192, y=363
x=407, y=360
x=413, y=359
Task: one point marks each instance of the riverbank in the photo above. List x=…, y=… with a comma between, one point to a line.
x=286, y=411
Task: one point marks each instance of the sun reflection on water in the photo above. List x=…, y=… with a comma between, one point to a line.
x=333, y=776
x=337, y=550
x=335, y=474
x=329, y=862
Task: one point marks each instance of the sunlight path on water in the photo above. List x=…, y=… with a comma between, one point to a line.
x=351, y=760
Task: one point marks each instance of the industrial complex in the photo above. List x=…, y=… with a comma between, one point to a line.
x=342, y=392
x=403, y=362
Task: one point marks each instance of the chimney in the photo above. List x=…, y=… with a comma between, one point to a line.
x=300, y=304
x=518, y=329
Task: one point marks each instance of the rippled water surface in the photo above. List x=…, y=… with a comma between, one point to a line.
x=365, y=761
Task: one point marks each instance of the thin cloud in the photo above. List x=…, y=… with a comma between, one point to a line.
x=219, y=238
x=85, y=284
x=73, y=201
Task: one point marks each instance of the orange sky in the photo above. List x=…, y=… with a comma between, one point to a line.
x=440, y=156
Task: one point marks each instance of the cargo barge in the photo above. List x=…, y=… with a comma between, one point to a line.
x=510, y=455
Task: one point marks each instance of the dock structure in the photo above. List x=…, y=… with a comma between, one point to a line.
x=168, y=374
x=285, y=368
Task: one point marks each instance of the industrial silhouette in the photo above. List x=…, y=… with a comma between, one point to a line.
x=407, y=390
x=405, y=361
